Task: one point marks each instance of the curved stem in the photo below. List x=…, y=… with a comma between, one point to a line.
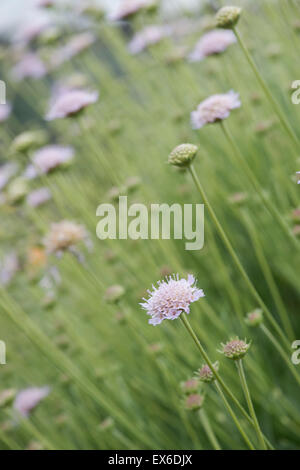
x=235, y=257
x=234, y=418
x=208, y=429
x=250, y=404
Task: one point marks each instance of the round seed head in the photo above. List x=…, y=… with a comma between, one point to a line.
x=193, y=402
x=205, y=374
x=235, y=349
x=227, y=17
x=183, y=155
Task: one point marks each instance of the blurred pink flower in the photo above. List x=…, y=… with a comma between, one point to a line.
x=47, y=159
x=30, y=66
x=38, y=197
x=30, y=30
x=5, y=111
x=64, y=235
x=215, y=108
x=213, y=42
x=70, y=103
x=27, y=399
x=298, y=177
x=128, y=8
x=171, y=298
x=74, y=46
x=147, y=37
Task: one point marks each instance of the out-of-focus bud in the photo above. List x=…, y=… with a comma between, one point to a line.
x=205, y=374
x=227, y=17
x=190, y=387
x=114, y=293
x=28, y=140
x=193, y=402
x=254, y=318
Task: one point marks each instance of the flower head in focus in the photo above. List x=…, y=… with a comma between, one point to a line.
x=215, y=108
x=64, y=235
x=235, y=349
x=183, y=155
x=213, y=42
x=171, y=298
x=71, y=103
x=27, y=399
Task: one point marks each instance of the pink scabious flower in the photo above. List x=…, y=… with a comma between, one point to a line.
x=171, y=298
x=30, y=66
x=38, y=197
x=27, y=399
x=215, y=108
x=5, y=111
x=47, y=159
x=148, y=36
x=213, y=42
x=64, y=235
x=70, y=103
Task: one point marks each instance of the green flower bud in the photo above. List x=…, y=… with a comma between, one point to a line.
x=183, y=155
x=28, y=140
x=227, y=17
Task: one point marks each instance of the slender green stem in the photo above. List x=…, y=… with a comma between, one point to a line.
x=285, y=124
x=235, y=257
x=240, y=367
x=252, y=178
x=209, y=430
x=281, y=351
x=234, y=417
x=285, y=320
x=214, y=371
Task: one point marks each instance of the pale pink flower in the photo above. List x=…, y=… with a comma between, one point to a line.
x=171, y=298
x=70, y=103
x=47, y=159
x=147, y=37
x=27, y=399
x=30, y=66
x=128, y=8
x=213, y=42
x=64, y=235
x=38, y=197
x=298, y=177
x=5, y=111
x=74, y=46
x=215, y=108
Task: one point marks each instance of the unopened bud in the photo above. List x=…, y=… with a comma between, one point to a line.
x=205, y=374
x=193, y=402
x=183, y=155
x=227, y=17
x=190, y=387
